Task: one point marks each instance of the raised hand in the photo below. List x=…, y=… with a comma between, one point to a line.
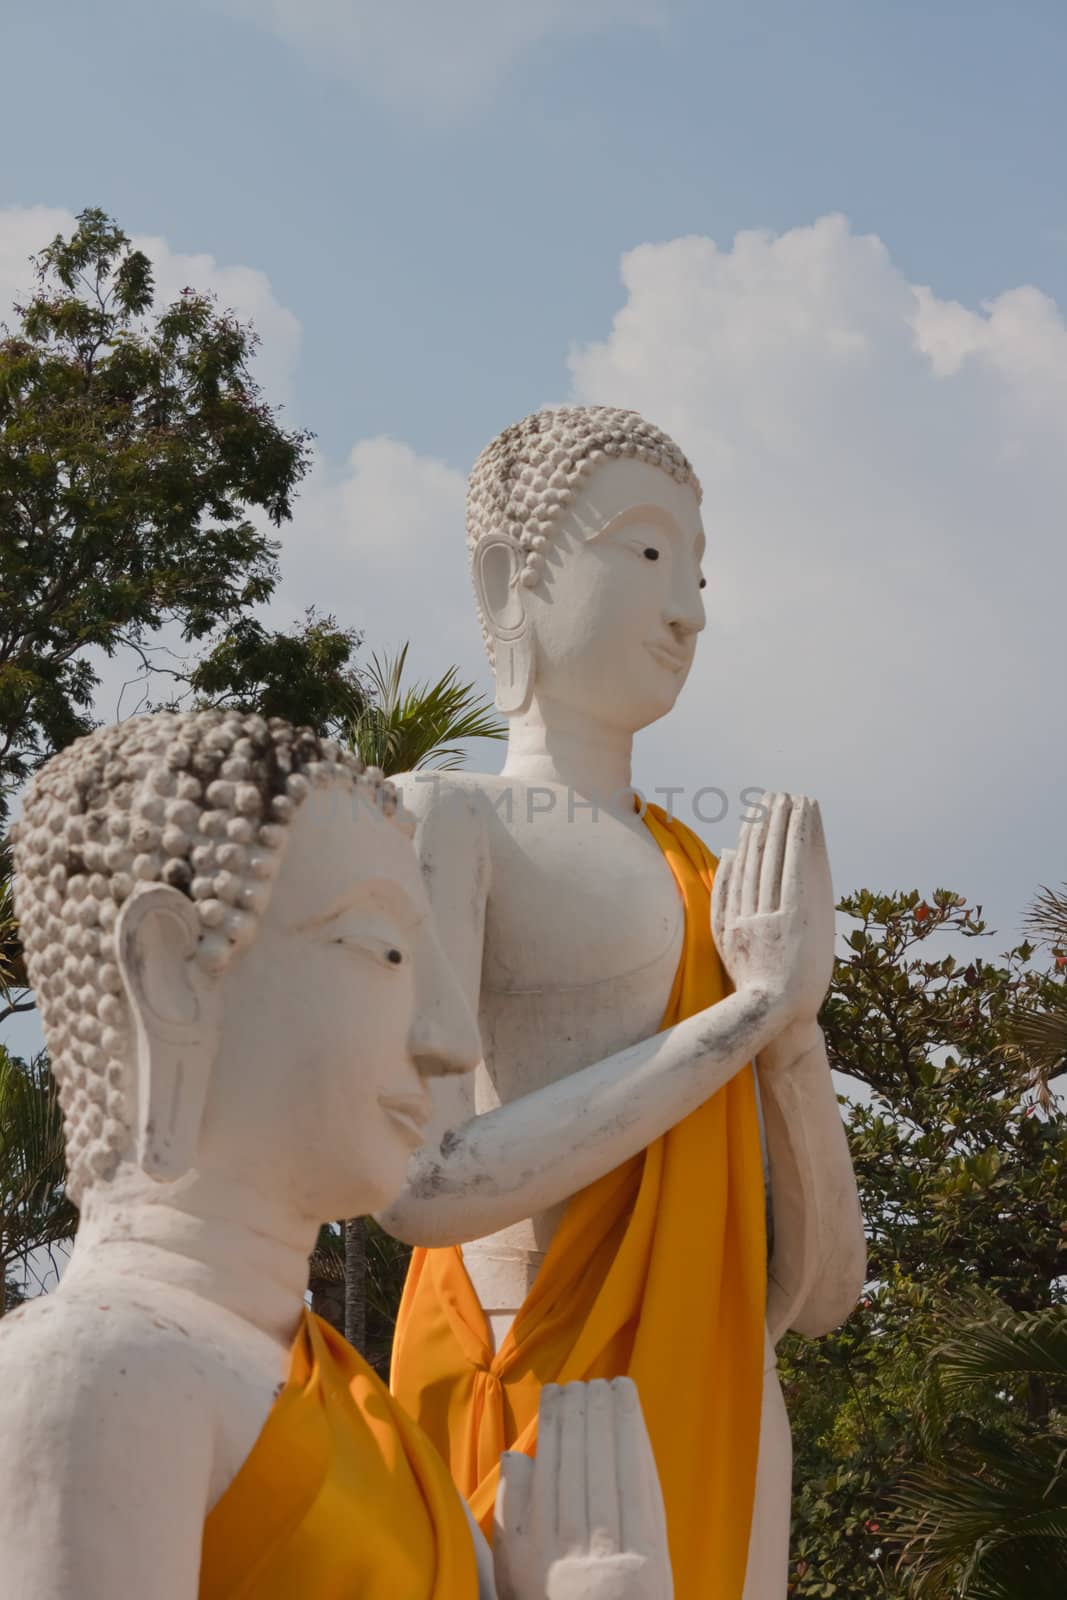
x=585, y=1520
x=773, y=907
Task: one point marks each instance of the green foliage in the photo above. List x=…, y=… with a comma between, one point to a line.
x=133, y=446
x=382, y=1280
x=403, y=729
x=986, y=1517
x=306, y=676
x=961, y=1170
x=34, y=1212
x=1042, y=1034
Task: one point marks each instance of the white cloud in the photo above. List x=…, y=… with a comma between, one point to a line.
x=25, y=230
x=440, y=59
x=380, y=544
x=885, y=481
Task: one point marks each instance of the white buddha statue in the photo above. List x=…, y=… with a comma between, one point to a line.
x=246, y=1002
x=601, y=1171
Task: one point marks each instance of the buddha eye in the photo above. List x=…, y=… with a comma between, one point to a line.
x=651, y=553
x=703, y=583
x=394, y=956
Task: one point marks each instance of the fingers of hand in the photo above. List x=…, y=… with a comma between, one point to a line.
x=644, y=1527
x=720, y=891
x=758, y=834
x=737, y=873
x=756, y=838
x=544, y=1492
x=770, y=878
x=573, y=1469
x=513, y=1495
x=605, y=1519
x=798, y=834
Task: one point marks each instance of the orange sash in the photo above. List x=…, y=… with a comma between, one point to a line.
x=658, y=1270
x=340, y=1496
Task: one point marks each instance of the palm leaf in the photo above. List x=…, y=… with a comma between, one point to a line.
x=986, y=1518
x=1047, y=917
x=34, y=1211
x=404, y=729
x=1041, y=1037
x=1025, y=1346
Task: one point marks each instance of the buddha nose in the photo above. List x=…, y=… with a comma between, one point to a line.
x=683, y=611
x=444, y=1035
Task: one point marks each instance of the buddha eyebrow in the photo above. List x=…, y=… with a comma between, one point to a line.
x=370, y=894
x=660, y=518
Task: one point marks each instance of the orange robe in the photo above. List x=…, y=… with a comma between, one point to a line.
x=341, y=1495
x=658, y=1271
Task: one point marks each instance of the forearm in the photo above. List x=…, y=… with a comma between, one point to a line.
x=818, y=1261
x=522, y=1158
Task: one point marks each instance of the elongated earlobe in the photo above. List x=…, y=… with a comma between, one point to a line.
x=173, y=1007
x=497, y=571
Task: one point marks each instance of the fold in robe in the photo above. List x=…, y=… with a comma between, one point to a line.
x=658, y=1271
x=340, y=1496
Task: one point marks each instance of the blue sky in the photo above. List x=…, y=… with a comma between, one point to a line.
x=440, y=259
x=824, y=243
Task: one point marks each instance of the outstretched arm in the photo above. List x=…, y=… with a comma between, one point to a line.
x=480, y=1173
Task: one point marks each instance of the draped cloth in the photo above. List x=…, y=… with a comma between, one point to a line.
x=342, y=1495
x=658, y=1270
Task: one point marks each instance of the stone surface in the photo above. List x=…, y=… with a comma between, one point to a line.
x=564, y=925
x=245, y=1001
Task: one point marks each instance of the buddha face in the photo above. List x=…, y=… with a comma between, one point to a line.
x=611, y=626
x=335, y=1017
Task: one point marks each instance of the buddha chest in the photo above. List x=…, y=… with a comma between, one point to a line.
x=583, y=933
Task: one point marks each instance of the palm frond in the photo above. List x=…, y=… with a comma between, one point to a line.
x=1033, y=1345
x=1041, y=1038
x=996, y=1530
x=404, y=729
x=986, y=1517
x=34, y=1211
x=12, y=964
x=1047, y=917
x=326, y=1263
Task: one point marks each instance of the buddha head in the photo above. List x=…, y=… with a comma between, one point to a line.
x=234, y=960
x=585, y=537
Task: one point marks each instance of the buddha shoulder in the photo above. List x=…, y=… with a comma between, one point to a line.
x=452, y=813
x=86, y=1379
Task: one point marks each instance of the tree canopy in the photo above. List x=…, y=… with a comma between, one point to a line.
x=135, y=448
x=961, y=1158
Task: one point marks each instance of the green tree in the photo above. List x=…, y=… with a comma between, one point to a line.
x=307, y=676
x=961, y=1169
x=134, y=446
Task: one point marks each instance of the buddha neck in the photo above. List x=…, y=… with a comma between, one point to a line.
x=204, y=1234
x=556, y=744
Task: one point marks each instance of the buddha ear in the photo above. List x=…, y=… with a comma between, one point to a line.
x=498, y=565
x=174, y=1010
